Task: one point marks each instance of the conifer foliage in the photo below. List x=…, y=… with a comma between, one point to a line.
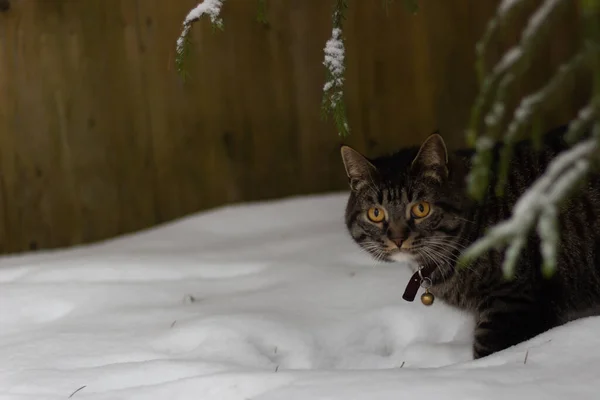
x=490, y=122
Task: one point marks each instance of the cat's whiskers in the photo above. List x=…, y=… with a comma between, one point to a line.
x=437, y=249
x=443, y=261
x=448, y=239
x=464, y=219
x=452, y=257
x=432, y=256
x=374, y=250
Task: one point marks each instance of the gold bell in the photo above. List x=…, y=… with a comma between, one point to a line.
x=427, y=298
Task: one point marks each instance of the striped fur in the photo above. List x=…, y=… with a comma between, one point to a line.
x=506, y=312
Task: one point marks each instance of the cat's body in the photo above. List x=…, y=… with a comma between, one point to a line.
x=413, y=206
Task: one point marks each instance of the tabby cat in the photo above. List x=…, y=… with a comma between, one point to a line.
x=412, y=206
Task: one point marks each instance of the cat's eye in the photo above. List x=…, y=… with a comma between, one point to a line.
x=375, y=214
x=420, y=209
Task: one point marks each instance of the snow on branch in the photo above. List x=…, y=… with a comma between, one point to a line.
x=333, y=90
x=585, y=118
x=512, y=65
x=505, y=10
x=212, y=8
x=538, y=207
x=531, y=106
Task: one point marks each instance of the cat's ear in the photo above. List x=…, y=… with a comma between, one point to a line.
x=432, y=158
x=359, y=170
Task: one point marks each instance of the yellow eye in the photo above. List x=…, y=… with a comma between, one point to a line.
x=420, y=209
x=375, y=214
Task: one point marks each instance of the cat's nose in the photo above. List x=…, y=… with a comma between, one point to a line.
x=398, y=241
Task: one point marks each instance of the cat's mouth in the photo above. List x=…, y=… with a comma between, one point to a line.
x=410, y=258
x=408, y=253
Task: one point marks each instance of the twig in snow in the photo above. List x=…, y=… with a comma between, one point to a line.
x=277, y=368
x=526, y=355
x=188, y=298
x=173, y=324
x=72, y=394
x=402, y=365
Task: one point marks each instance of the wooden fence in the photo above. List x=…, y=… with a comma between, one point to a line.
x=99, y=136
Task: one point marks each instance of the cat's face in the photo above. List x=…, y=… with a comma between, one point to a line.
x=407, y=208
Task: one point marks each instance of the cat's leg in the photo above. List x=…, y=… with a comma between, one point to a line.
x=504, y=322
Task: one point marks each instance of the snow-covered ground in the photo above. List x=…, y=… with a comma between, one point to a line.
x=262, y=302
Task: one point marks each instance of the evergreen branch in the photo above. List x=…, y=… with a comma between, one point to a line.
x=590, y=14
x=333, y=102
x=512, y=65
x=504, y=12
x=532, y=106
x=537, y=207
x=212, y=8
x=577, y=127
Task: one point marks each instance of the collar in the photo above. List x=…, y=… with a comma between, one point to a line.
x=413, y=285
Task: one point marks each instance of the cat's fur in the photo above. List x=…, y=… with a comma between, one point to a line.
x=506, y=312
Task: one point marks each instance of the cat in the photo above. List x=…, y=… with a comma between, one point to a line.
x=413, y=206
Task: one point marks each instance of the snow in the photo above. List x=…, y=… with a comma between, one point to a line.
x=264, y=301
x=212, y=8
x=334, y=52
x=334, y=62
x=539, y=17
x=508, y=60
x=506, y=6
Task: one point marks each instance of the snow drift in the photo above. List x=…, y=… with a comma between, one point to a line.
x=264, y=301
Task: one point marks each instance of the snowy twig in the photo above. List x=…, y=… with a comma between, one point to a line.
x=334, y=62
x=533, y=105
x=512, y=65
x=585, y=117
x=505, y=10
x=81, y=388
x=212, y=8
x=539, y=206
